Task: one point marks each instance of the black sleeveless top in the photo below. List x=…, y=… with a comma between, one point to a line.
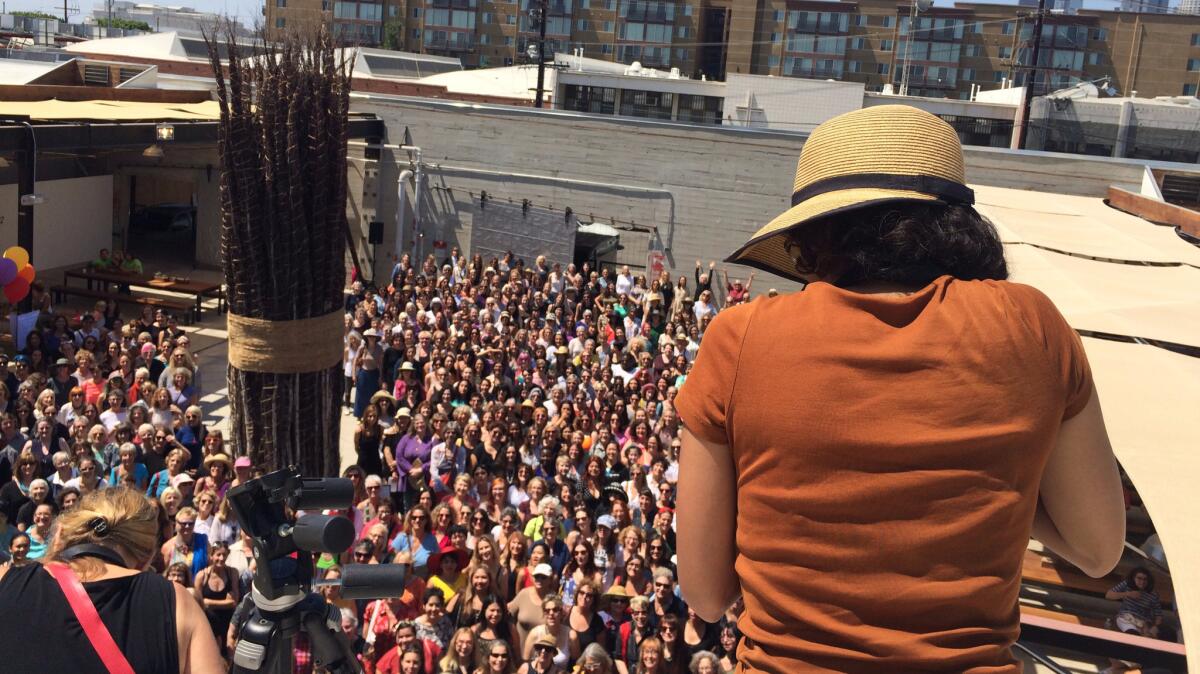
x=41, y=634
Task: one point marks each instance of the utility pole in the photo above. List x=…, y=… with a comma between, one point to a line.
x=1031, y=74
x=65, y=18
x=541, y=51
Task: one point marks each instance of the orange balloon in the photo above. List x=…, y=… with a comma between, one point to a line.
x=27, y=272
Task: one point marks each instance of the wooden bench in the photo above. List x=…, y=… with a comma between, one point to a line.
x=184, y=308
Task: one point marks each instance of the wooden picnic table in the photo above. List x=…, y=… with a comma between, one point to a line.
x=199, y=289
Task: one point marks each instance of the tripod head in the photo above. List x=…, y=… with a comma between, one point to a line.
x=283, y=596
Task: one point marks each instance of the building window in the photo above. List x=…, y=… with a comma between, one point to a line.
x=606, y=48
x=976, y=27
x=885, y=45
x=967, y=74
x=853, y=67
x=683, y=31
x=1006, y=52
x=1102, y=35
x=508, y=41
x=416, y=12
x=1193, y=65
x=281, y=3
x=1096, y=58
x=778, y=16
x=583, y=24
x=889, y=21
x=883, y=68
x=510, y=19
x=773, y=61
x=999, y=76
x=687, y=9
x=582, y=98
x=416, y=33
x=1196, y=39
x=1007, y=28
x=858, y=43
x=972, y=50
x=652, y=104
x=700, y=109
x=487, y=17
x=280, y=22
x=393, y=10
x=1189, y=90
x=860, y=20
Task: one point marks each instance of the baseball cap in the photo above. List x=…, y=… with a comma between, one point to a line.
x=543, y=570
x=181, y=479
x=546, y=640
x=242, y=462
x=606, y=521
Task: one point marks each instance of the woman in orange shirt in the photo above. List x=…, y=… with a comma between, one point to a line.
x=885, y=442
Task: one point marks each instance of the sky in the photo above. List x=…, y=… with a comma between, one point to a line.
x=250, y=11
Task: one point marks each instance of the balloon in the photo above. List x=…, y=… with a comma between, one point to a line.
x=8, y=271
x=27, y=272
x=17, y=254
x=17, y=290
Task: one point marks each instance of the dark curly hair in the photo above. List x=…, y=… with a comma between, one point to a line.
x=910, y=243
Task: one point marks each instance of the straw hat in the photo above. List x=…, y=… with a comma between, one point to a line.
x=218, y=458
x=863, y=158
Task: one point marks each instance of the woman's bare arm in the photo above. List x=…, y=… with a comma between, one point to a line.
x=198, y=653
x=1081, y=508
x=706, y=517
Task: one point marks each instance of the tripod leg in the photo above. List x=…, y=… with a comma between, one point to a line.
x=329, y=649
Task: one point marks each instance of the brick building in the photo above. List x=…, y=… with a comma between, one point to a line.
x=955, y=46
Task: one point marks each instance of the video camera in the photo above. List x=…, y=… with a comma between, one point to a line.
x=283, y=596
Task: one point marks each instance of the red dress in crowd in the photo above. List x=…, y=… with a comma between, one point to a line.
x=390, y=662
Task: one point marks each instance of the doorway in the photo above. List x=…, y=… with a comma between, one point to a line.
x=162, y=221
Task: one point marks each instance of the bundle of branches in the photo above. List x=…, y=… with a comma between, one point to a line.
x=283, y=128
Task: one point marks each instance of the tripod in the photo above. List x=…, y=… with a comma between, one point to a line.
x=266, y=639
x=282, y=603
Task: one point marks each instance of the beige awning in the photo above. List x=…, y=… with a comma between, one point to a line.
x=112, y=111
x=1150, y=398
x=1083, y=226
x=1161, y=303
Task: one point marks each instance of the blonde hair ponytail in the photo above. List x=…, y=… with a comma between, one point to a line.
x=117, y=518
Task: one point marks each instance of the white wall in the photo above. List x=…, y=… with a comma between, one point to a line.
x=790, y=103
x=75, y=221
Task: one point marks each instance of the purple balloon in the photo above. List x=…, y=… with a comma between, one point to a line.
x=8, y=271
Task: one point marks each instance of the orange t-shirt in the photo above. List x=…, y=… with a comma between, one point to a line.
x=888, y=451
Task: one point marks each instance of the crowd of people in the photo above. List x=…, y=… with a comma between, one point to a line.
x=516, y=451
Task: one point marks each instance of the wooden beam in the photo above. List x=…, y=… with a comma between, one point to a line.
x=1155, y=211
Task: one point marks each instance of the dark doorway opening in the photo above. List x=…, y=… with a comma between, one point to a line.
x=162, y=222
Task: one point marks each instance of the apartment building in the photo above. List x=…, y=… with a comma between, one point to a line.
x=954, y=47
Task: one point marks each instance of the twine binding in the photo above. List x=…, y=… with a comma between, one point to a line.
x=285, y=347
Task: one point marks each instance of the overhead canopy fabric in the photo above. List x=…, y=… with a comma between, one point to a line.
x=1161, y=303
x=1150, y=397
x=1080, y=225
x=111, y=111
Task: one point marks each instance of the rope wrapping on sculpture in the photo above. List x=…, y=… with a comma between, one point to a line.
x=285, y=347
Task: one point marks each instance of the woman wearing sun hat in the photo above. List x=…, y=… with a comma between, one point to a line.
x=887, y=440
x=366, y=370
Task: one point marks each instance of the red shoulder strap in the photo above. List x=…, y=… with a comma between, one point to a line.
x=85, y=611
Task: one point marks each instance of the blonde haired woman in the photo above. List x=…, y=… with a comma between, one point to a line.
x=101, y=549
